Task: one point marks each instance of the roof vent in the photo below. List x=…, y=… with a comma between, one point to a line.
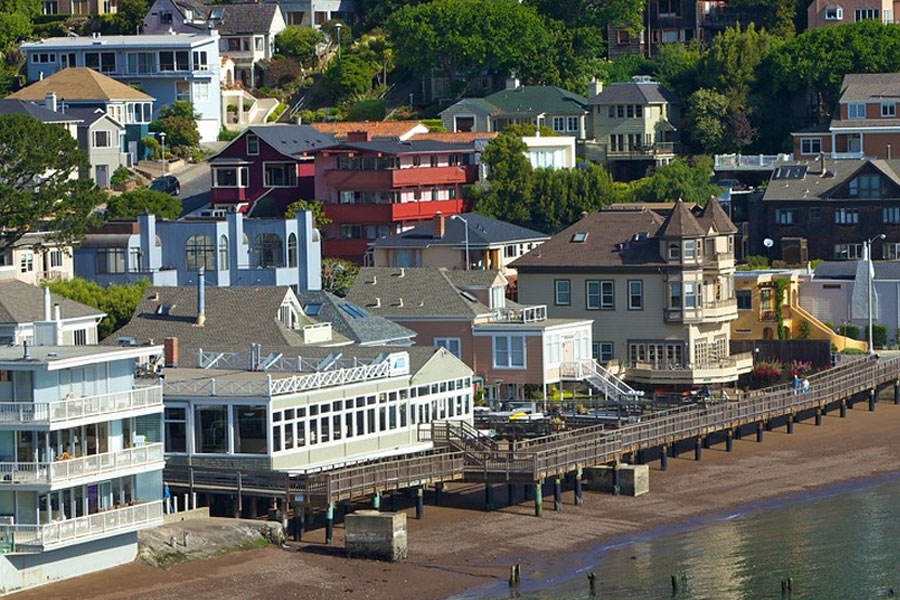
x=402, y=272
x=374, y=280
x=377, y=303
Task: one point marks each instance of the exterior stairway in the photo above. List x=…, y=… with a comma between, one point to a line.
x=601, y=379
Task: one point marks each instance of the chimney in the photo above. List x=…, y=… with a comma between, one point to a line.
x=438, y=225
x=512, y=82
x=594, y=88
x=26, y=355
x=50, y=101
x=359, y=136
x=170, y=351
x=201, y=297
x=47, y=304
x=57, y=313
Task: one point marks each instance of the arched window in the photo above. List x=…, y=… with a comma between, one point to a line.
x=223, y=253
x=292, y=250
x=268, y=250
x=200, y=252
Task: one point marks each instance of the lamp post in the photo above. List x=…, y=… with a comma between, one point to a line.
x=871, y=276
x=338, y=26
x=467, y=238
x=162, y=156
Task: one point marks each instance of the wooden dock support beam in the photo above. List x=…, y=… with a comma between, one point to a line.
x=790, y=423
x=579, y=499
x=698, y=444
x=539, y=498
x=818, y=416
x=394, y=496
x=329, y=523
x=438, y=493
x=489, y=497
x=663, y=458
x=729, y=440
x=759, y=432
x=510, y=493
x=843, y=408
x=298, y=522
x=557, y=494
x=420, y=502
x=873, y=398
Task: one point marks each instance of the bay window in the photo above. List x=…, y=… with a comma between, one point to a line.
x=238, y=177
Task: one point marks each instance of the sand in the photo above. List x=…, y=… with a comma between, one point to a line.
x=458, y=546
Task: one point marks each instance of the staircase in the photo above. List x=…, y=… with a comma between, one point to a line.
x=601, y=379
x=460, y=436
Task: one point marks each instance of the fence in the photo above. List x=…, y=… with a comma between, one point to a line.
x=817, y=352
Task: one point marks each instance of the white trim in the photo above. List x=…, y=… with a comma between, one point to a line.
x=510, y=366
x=282, y=163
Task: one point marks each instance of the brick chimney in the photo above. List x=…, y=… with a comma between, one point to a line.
x=437, y=225
x=359, y=136
x=170, y=351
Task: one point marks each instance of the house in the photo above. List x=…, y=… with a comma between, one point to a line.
x=508, y=346
x=82, y=455
x=837, y=292
x=361, y=327
x=88, y=88
x=34, y=315
x=315, y=13
x=660, y=292
x=757, y=297
x=232, y=251
x=826, y=209
x=822, y=13
x=168, y=67
x=377, y=130
x=373, y=189
x=266, y=168
x=246, y=31
x=561, y=110
x=543, y=152
x=489, y=244
x=865, y=122
x=670, y=21
x=79, y=7
x=44, y=114
x=312, y=412
x=104, y=137
x=635, y=126
x=623, y=40
x=36, y=257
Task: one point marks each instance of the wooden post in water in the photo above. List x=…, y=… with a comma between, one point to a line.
x=872, y=399
x=539, y=498
x=438, y=493
x=592, y=584
x=329, y=523
x=420, y=502
x=557, y=494
x=579, y=499
x=729, y=441
x=790, y=423
x=514, y=575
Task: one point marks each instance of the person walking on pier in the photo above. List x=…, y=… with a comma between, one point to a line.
x=805, y=385
x=796, y=385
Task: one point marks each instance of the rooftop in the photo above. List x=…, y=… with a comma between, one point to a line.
x=121, y=41
x=10, y=106
x=24, y=303
x=456, y=137
x=60, y=357
x=846, y=269
x=252, y=17
x=635, y=92
x=291, y=140
x=377, y=129
x=80, y=84
x=807, y=180
x=536, y=99
x=352, y=322
x=483, y=232
x=870, y=87
x=391, y=147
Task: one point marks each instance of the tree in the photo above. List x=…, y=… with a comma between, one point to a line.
x=316, y=207
x=348, y=77
x=117, y=301
x=576, y=13
x=681, y=178
x=300, y=43
x=338, y=275
x=129, y=205
x=706, y=115
x=675, y=67
x=29, y=8
x=14, y=27
x=37, y=192
x=129, y=16
x=179, y=122
x=283, y=71
x=376, y=50
x=528, y=129
x=508, y=181
x=729, y=65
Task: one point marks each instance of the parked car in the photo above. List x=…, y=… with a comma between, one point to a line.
x=166, y=184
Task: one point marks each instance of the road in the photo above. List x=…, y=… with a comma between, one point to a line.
x=195, y=184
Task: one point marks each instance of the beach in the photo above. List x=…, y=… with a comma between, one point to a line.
x=458, y=545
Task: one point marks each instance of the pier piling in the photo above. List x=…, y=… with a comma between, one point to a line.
x=510, y=493
x=514, y=575
x=843, y=409
x=420, y=502
x=617, y=480
x=759, y=432
x=394, y=498
x=579, y=499
x=872, y=399
x=790, y=424
x=557, y=494
x=489, y=497
x=329, y=523
x=438, y=493
x=592, y=584
x=729, y=441
x=897, y=392
x=819, y=416
x=539, y=499
x=376, y=501
x=706, y=442
x=298, y=523
x=698, y=445
x=663, y=458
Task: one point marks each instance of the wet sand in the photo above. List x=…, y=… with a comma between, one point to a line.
x=458, y=546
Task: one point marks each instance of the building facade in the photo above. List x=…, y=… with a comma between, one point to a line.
x=36, y=258
x=231, y=251
x=315, y=13
x=670, y=280
x=33, y=315
x=169, y=67
x=823, y=13
x=79, y=7
x=81, y=461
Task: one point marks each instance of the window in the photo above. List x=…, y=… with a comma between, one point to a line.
x=211, y=429
x=182, y=91
x=200, y=63
x=671, y=8
x=292, y=251
x=56, y=258
x=259, y=44
x=43, y=57
x=176, y=429
x=571, y=123
x=810, y=145
x=173, y=61
x=888, y=109
x=231, y=176
x=165, y=17
x=891, y=215
x=80, y=336
x=620, y=111
x=563, y=292
x=864, y=14
x=110, y=260
x=51, y=7
x=691, y=294
x=252, y=144
x=280, y=175
x=559, y=124
x=846, y=216
x=223, y=253
x=234, y=44
x=102, y=139
x=141, y=62
x=451, y=344
x=856, y=110
x=109, y=6
x=250, y=430
x=81, y=7
x=815, y=213
x=602, y=352
x=600, y=295
x=675, y=294
x=509, y=352
x=105, y=62
x=674, y=250
x=785, y=216
x=26, y=262
x=199, y=252
x=848, y=251
x=635, y=294
x=268, y=250
x=834, y=13
x=865, y=186
x=201, y=92
x=890, y=251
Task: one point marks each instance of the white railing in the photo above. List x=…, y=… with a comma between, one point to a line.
x=17, y=473
x=102, y=405
x=246, y=361
x=756, y=161
x=600, y=377
x=34, y=538
x=847, y=155
x=524, y=314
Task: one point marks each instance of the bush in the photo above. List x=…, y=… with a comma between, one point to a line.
x=804, y=330
x=367, y=110
x=117, y=301
x=766, y=373
x=852, y=351
x=276, y=114
x=878, y=335
x=226, y=135
x=850, y=331
x=120, y=176
x=830, y=326
x=432, y=124
x=129, y=205
x=153, y=144
x=754, y=262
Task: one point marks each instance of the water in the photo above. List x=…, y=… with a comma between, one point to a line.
x=839, y=543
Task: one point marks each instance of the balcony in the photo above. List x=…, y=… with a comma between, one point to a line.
x=88, y=409
x=108, y=464
x=383, y=214
x=387, y=179
x=721, y=371
x=23, y=539
x=523, y=314
x=720, y=310
x=656, y=150
x=756, y=162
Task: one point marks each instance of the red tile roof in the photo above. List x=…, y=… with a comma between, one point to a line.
x=460, y=137
x=340, y=129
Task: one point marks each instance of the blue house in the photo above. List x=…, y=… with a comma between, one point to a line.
x=169, y=68
x=232, y=251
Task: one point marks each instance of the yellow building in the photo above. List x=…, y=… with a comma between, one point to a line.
x=757, y=295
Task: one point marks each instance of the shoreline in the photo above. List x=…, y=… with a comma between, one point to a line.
x=460, y=551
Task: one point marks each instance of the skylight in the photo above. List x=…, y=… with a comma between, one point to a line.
x=353, y=310
x=312, y=309
x=468, y=296
x=216, y=14
x=164, y=309
x=580, y=237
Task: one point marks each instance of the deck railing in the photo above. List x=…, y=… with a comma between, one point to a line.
x=62, y=411
x=43, y=473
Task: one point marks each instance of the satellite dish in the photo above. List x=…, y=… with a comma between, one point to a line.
x=768, y=242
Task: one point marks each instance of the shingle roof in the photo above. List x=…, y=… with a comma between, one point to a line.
x=235, y=317
x=21, y=107
x=244, y=18
x=681, y=223
x=24, y=303
x=818, y=185
x=475, y=278
x=80, y=84
x=456, y=137
x=846, y=269
x=88, y=116
x=407, y=147
x=714, y=215
x=367, y=330
x=483, y=231
x=412, y=292
x=378, y=129
x=609, y=241
x=870, y=87
x=536, y=99
x=635, y=93
x=292, y=139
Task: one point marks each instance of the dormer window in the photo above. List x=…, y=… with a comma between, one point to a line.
x=674, y=251
x=865, y=186
x=856, y=110
x=888, y=109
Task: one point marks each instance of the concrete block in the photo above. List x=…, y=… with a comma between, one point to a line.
x=634, y=480
x=374, y=534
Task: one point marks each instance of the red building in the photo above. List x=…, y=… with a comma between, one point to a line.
x=266, y=168
x=373, y=189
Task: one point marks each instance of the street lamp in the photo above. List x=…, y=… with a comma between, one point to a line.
x=338, y=26
x=467, y=238
x=162, y=156
x=868, y=246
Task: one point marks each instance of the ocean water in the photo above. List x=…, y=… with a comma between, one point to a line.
x=841, y=543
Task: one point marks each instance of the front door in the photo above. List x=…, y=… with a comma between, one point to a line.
x=101, y=175
x=133, y=151
x=853, y=143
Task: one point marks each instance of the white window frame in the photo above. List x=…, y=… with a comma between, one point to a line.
x=856, y=110
x=96, y=144
x=243, y=177
x=508, y=363
x=833, y=13
x=810, y=145
x=865, y=14
x=559, y=124
x=448, y=343
x=891, y=215
x=201, y=91
x=890, y=250
x=290, y=172
x=785, y=216
x=888, y=109
x=640, y=295
x=572, y=124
